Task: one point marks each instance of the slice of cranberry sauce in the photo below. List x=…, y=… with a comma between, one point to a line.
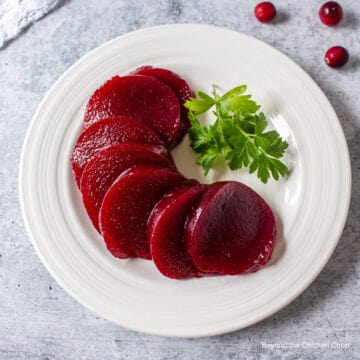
x=166, y=231
x=140, y=97
x=105, y=133
x=180, y=88
x=128, y=203
x=232, y=231
x=106, y=166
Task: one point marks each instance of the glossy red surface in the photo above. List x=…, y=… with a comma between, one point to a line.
x=265, y=11
x=105, y=133
x=128, y=203
x=180, y=88
x=330, y=13
x=336, y=56
x=166, y=232
x=140, y=97
x=232, y=231
x=106, y=166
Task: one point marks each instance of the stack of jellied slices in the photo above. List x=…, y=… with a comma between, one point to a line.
x=140, y=203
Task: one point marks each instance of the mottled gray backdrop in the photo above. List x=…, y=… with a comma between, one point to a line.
x=38, y=320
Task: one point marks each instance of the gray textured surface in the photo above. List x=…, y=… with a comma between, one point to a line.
x=38, y=320
x=16, y=16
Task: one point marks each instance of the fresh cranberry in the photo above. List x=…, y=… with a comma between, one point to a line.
x=330, y=13
x=336, y=56
x=265, y=11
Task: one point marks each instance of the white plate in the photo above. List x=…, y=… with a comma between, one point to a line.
x=311, y=204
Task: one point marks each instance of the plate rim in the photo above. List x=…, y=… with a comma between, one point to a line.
x=255, y=320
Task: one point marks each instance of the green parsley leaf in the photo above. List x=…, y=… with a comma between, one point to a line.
x=198, y=107
x=238, y=90
x=241, y=105
x=208, y=99
x=238, y=134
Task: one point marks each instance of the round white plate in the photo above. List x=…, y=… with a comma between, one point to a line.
x=311, y=204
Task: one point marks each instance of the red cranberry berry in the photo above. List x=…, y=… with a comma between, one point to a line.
x=336, y=56
x=265, y=11
x=330, y=13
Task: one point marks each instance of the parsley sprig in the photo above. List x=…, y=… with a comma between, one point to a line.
x=238, y=134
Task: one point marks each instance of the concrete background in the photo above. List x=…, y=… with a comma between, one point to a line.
x=38, y=320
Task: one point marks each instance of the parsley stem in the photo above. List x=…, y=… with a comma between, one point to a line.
x=216, y=96
x=246, y=134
